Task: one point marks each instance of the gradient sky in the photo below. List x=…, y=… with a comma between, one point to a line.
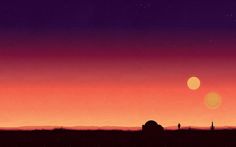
x=119, y=63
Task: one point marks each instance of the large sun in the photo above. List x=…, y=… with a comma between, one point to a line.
x=193, y=83
x=212, y=100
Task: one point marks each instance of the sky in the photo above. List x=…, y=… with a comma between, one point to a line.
x=116, y=63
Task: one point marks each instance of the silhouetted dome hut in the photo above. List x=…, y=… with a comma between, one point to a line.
x=153, y=134
x=152, y=127
x=151, y=123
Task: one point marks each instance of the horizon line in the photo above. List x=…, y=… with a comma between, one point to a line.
x=131, y=128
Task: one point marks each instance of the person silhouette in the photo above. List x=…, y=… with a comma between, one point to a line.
x=179, y=126
x=212, y=126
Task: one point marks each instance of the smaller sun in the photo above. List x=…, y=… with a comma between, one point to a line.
x=193, y=83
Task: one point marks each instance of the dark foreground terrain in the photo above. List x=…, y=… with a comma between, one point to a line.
x=72, y=138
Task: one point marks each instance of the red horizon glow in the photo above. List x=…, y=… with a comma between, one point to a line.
x=113, y=88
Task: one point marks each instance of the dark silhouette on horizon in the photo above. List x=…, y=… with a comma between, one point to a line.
x=179, y=126
x=152, y=127
x=151, y=131
x=212, y=126
x=151, y=135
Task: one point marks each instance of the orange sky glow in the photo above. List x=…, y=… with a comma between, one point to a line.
x=121, y=93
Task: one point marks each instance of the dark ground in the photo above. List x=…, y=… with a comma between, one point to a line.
x=72, y=138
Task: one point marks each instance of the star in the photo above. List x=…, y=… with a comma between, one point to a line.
x=229, y=15
x=143, y=5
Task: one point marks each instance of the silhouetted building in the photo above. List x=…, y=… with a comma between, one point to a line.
x=153, y=134
x=152, y=127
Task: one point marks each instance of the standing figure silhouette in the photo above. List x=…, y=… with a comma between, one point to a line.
x=212, y=126
x=179, y=126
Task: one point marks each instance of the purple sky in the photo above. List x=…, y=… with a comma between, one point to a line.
x=120, y=14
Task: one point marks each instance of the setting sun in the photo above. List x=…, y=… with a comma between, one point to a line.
x=193, y=83
x=212, y=100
